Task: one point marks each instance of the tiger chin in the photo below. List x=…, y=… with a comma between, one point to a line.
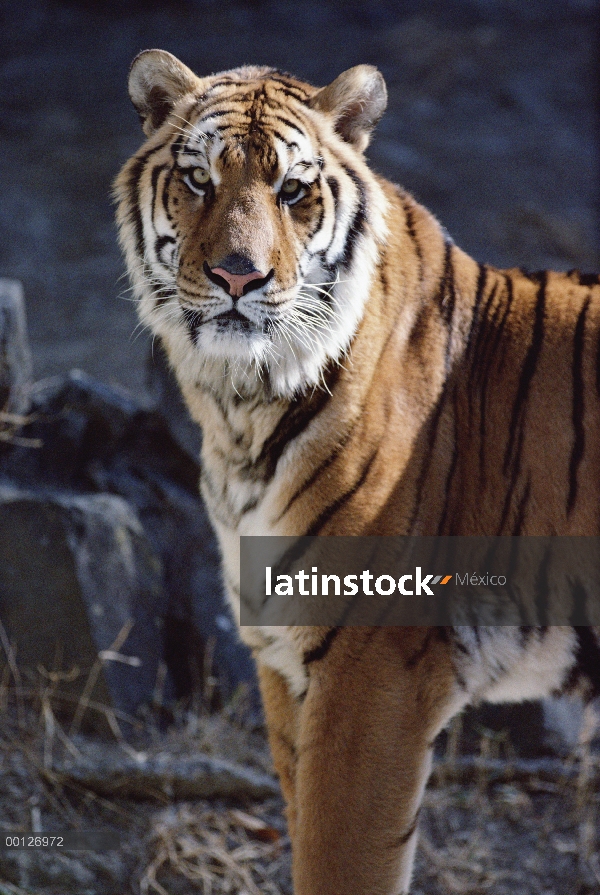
x=354, y=372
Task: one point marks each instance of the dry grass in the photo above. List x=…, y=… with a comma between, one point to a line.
x=11, y=424
x=490, y=823
x=215, y=851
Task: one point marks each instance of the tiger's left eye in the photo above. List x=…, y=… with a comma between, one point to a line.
x=290, y=187
x=291, y=191
x=200, y=176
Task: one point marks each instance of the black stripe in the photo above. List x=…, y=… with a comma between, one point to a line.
x=446, y=285
x=448, y=302
x=542, y=587
x=163, y=294
x=165, y=194
x=291, y=144
x=226, y=81
x=588, y=279
x=334, y=186
x=484, y=357
x=228, y=128
x=205, y=113
x=480, y=289
x=410, y=229
x=428, y=456
x=578, y=405
x=480, y=345
x=319, y=652
x=580, y=599
x=420, y=653
x=294, y=421
x=358, y=220
x=473, y=337
x=483, y=348
x=133, y=184
x=526, y=632
x=288, y=123
x=405, y=837
x=333, y=508
x=510, y=295
x=588, y=657
x=207, y=116
x=249, y=505
x=286, y=79
x=192, y=320
x=318, y=471
x=521, y=511
x=285, y=741
x=385, y=286
x=451, y=470
x=159, y=243
x=290, y=91
x=176, y=146
x=512, y=454
x=510, y=491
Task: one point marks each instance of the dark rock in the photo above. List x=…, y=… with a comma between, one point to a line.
x=15, y=355
x=75, y=572
x=514, y=728
x=98, y=440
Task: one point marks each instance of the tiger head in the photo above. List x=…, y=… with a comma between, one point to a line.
x=249, y=219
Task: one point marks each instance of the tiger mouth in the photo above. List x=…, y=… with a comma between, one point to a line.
x=231, y=318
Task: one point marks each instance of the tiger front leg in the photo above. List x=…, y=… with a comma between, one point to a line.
x=374, y=704
x=281, y=711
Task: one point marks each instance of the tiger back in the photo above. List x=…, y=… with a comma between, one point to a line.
x=354, y=372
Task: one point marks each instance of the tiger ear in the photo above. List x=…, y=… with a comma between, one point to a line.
x=356, y=100
x=156, y=81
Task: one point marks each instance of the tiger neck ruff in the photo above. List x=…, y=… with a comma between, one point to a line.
x=354, y=372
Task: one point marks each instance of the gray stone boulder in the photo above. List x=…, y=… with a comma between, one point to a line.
x=81, y=591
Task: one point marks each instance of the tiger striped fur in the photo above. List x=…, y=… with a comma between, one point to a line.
x=354, y=372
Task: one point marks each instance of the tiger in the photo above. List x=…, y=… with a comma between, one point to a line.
x=354, y=372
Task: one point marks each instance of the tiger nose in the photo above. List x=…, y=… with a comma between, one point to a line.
x=237, y=271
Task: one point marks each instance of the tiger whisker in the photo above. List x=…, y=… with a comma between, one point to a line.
x=196, y=133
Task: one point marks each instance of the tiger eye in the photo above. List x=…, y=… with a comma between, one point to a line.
x=290, y=186
x=200, y=176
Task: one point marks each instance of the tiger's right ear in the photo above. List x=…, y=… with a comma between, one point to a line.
x=156, y=81
x=356, y=100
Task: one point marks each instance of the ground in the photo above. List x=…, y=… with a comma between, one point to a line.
x=491, y=822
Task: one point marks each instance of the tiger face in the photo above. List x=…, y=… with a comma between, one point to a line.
x=249, y=219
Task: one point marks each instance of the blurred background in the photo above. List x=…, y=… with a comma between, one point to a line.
x=492, y=123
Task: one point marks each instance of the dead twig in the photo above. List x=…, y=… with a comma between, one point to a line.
x=103, y=656
x=528, y=772
x=12, y=664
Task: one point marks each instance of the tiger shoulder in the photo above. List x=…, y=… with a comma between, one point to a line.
x=356, y=373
